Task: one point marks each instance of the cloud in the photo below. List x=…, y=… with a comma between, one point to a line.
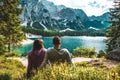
x=91, y=7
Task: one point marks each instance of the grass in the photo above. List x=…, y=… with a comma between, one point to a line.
x=78, y=71
x=73, y=72
x=11, y=69
x=14, y=70
x=88, y=52
x=84, y=52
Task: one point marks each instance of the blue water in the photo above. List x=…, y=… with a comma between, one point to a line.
x=70, y=42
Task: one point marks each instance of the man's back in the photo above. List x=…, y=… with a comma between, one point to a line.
x=58, y=55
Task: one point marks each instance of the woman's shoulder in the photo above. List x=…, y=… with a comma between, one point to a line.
x=44, y=49
x=29, y=52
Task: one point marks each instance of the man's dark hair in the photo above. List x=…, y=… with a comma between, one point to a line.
x=56, y=40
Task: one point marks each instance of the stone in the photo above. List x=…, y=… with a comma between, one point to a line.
x=114, y=54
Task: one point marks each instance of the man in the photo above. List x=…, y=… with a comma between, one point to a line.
x=57, y=54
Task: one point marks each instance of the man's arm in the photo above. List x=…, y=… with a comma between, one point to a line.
x=69, y=57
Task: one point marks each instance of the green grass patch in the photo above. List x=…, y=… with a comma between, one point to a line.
x=71, y=72
x=84, y=52
x=11, y=69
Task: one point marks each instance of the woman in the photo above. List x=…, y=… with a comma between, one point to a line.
x=35, y=57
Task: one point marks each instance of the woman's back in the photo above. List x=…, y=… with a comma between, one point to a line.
x=36, y=58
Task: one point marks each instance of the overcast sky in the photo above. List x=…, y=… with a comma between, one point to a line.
x=91, y=7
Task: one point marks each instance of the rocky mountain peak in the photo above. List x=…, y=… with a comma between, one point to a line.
x=46, y=15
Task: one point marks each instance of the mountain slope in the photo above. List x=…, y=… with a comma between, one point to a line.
x=43, y=14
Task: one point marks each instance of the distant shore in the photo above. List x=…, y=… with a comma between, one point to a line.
x=27, y=41
x=29, y=35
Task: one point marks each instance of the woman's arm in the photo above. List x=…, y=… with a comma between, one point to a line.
x=29, y=67
x=44, y=61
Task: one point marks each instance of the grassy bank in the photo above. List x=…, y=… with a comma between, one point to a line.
x=11, y=69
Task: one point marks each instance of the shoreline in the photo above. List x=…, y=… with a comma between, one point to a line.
x=29, y=35
x=26, y=41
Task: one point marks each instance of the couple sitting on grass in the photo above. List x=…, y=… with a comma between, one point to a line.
x=39, y=56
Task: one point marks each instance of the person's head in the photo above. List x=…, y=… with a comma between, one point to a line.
x=38, y=44
x=56, y=41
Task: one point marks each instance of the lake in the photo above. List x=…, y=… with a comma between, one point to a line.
x=70, y=42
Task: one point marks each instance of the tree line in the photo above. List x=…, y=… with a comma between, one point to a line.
x=66, y=33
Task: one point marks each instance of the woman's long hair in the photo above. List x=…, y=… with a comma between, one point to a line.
x=37, y=45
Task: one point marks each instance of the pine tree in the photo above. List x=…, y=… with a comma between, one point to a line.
x=114, y=30
x=9, y=22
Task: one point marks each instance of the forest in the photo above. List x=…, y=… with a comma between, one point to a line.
x=66, y=33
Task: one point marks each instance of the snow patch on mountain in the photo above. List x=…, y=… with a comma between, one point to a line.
x=93, y=28
x=24, y=23
x=45, y=28
x=68, y=29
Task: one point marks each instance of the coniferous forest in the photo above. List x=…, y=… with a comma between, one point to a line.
x=114, y=30
x=10, y=30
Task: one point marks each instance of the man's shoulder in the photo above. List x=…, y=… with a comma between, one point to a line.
x=65, y=50
x=50, y=49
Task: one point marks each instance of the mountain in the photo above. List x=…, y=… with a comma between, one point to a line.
x=42, y=14
x=100, y=21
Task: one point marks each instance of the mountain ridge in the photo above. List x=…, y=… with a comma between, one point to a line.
x=45, y=15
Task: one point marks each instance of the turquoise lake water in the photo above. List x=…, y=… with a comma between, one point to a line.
x=71, y=42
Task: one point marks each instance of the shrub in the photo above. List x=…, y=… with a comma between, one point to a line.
x=71, y=72
x=118, y=69
x=115, y=72
x=84, y=52
x=101, y=54
x=5, y=75
x=12, y=54
x=11, y=69
x=2, y=44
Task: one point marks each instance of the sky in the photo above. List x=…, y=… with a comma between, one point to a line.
x=90, y=7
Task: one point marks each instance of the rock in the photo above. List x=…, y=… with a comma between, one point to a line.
x=114, y=54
